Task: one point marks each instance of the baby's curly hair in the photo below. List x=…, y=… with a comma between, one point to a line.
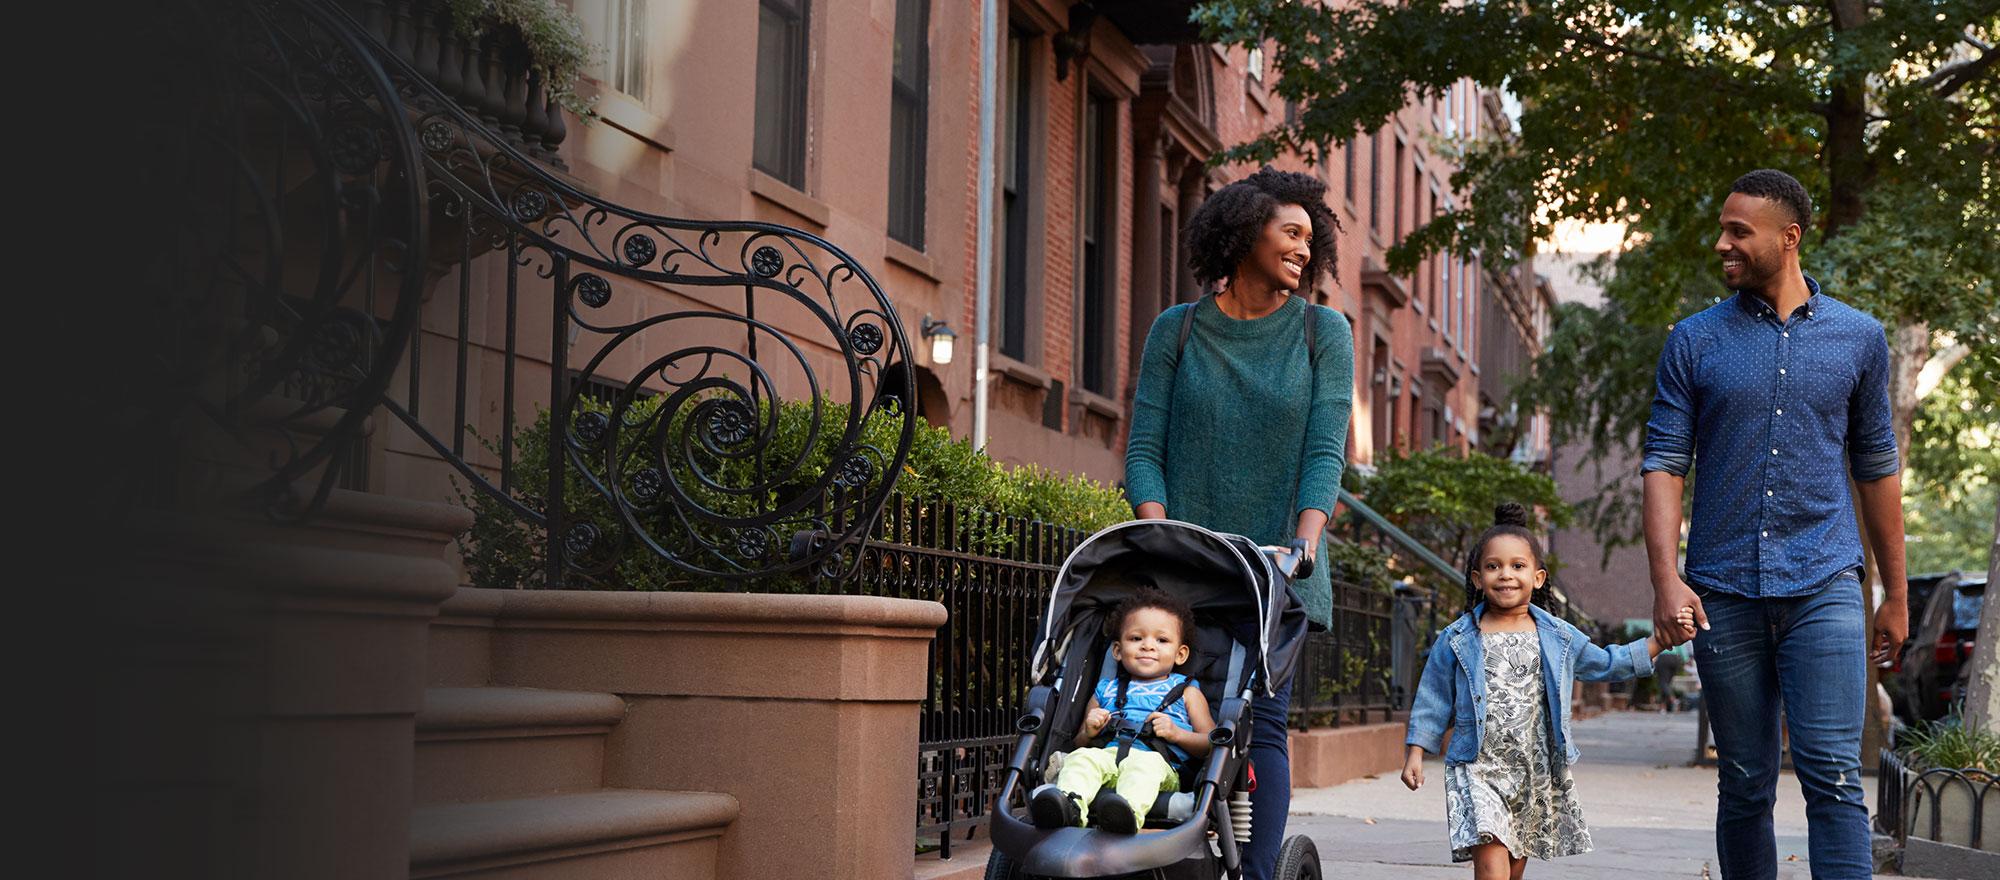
x=1151, y=597
x=1221, y=232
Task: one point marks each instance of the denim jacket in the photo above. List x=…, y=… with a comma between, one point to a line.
x=1452, y=692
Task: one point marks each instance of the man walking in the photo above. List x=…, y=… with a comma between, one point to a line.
x=1776, y=396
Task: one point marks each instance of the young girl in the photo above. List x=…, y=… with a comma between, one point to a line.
x=1161, y=710
x=1508, y=793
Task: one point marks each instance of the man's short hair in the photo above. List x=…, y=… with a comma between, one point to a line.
x=1770, y=183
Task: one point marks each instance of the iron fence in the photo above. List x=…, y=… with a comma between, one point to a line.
x=1909, y=801
x=1347, y=674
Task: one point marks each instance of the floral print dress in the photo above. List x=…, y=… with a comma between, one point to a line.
x=1513, y=792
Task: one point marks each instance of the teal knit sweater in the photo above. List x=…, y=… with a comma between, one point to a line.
x=1240, y=432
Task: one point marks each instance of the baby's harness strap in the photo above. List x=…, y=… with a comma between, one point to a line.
x=1129, y=731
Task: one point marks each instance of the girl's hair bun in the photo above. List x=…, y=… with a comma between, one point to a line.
x=1509, y=513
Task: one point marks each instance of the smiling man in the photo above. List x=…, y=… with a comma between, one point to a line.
x=1779, y=394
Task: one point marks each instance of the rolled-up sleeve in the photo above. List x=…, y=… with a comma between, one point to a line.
x=1871, y=430
x=1670, y=428
x=1146, y=446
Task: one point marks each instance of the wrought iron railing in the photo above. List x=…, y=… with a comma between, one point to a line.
x=1943, y=804
x=391, y=249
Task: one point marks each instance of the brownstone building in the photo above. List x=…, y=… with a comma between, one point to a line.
x=858, y=123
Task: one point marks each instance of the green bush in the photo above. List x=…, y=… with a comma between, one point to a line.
x=505, y=551
x=1949, y=743
x=1361, y=565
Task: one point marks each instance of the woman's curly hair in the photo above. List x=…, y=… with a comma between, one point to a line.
x=1222, y=231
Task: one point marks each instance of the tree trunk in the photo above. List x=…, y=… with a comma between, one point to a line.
x=1982, y=700
x=1909, y=350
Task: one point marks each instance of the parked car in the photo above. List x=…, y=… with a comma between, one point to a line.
x=1929, y=676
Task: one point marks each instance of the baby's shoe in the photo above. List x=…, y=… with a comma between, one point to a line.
x=1051, y=807
x=1054, y=766
x=1109, y=811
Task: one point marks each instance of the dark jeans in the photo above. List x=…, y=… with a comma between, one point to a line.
x=1271, y=755
x=1810, y=652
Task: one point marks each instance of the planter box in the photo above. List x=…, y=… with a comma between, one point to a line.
x=1952, y=807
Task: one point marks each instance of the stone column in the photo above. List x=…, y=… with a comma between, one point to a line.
x=1146, y=280
x=257, y=686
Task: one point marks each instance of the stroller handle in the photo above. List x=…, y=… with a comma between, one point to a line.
x=1292, y=561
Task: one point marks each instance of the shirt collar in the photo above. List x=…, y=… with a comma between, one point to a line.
x=1755, y=305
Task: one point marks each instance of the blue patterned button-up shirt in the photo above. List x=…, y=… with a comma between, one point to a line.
x=1776, y=412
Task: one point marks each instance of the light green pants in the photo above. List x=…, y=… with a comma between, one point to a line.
x=1139, y=780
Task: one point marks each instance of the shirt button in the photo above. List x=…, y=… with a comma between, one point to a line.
x=1764, y=534
x=1787, y=334
x=1781, y=371
x=1767, y=493
x=1781, y=411
x=1774, y=452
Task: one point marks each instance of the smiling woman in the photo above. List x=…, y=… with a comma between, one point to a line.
x=1240, y=417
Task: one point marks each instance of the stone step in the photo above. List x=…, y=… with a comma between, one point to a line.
x=613, y=834
x=497, y=743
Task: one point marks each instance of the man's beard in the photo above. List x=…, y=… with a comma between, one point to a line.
x=1758, y=273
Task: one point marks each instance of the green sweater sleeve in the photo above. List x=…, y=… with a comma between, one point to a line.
x=1146, y=447
x=1332, y=400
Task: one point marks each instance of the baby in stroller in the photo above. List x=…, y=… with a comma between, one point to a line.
x=1241, y=630
x=1161, y=719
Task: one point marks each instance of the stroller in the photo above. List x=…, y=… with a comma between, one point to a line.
x=1228, y=579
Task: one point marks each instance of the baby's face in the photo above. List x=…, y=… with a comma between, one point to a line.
x=1150, y=643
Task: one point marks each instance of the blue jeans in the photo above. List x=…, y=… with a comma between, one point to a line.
x=1810, y=652
x=1271, y=756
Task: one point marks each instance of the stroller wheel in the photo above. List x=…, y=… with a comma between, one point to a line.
x=1298, y=859
x=1000, y=867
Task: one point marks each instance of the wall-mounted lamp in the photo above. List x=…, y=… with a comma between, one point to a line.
x=942, y=338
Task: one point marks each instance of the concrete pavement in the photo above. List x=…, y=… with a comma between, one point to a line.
x=1650, y=814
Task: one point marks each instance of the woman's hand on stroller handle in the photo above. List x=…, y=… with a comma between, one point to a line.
x=1295, y=561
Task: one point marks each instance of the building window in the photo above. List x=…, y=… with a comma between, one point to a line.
x=1255, y=65
x=1375, y=181
x=1015, y=177
x=1100, y=128
x=1347, y=158
x=780, y=148
x=620, y=27
x=909, y=121
x=1402, y=169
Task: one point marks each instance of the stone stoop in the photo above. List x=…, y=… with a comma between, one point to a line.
x=493, y=743
x=509, y=783
x=599, y=835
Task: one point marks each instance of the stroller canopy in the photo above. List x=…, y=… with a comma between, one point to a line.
x=1222, y=576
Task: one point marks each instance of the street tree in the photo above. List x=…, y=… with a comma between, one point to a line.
x=1642, y=112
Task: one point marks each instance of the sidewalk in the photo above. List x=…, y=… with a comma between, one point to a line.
x=1650, y=814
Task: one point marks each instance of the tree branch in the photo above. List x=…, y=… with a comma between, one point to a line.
x=1934, y=369
x=1954, y=76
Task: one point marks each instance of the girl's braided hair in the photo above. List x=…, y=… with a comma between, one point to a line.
x=1509, y=518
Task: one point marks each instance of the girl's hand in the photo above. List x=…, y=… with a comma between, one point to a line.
x=1164, y=727
x=1686, y=620
x=1095, y=719
x=1413, y=769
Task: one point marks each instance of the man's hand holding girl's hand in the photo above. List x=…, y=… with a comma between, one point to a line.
x=1683, y=630
x=1413, y=768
